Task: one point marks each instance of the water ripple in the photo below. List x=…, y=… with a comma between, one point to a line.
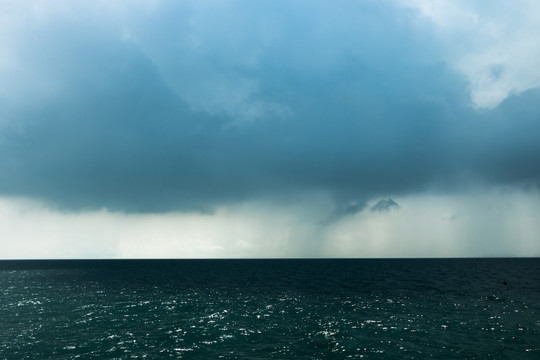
x=207, y=311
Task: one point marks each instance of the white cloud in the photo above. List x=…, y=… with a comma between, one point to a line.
x=494, y=223
x=490, y=223
x=493, y=44
x=30, y=230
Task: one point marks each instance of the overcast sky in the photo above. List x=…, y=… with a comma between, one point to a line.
x=269, y=128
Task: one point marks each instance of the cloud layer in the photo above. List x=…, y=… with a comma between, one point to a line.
x=479, y=223
x=164, y=106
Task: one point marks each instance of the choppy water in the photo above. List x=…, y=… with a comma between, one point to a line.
x=271, y=309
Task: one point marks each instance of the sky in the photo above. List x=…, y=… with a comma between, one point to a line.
x=242, y=129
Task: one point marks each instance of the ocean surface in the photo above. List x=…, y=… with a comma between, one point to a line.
x=270, y=309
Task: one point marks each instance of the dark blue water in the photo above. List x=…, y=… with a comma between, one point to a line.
x=270, y=309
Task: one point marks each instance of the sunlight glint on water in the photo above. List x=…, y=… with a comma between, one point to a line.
x=258, y=309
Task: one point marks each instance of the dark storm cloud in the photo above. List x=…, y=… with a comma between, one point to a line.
x=342, y=210
x=384, y=205
x=365, y=108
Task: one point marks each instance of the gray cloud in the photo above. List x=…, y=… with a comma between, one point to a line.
x=351, y=105
x=342, y=210
x=450, y=218
x=384, y=205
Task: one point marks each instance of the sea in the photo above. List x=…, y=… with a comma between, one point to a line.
x=271, y=309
